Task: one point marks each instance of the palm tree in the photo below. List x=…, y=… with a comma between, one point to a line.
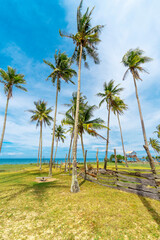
x=133, y=60
x=59, y=135
x=86, y=124
x=158, y=131
x=72, y=111
x=42, y=116
x=118, y=109
x=86, y=39
x=61, y=70
x=108, y=96
x=10, y=79
x=154, y=144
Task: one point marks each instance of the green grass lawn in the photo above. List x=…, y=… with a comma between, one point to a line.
x=47, y=211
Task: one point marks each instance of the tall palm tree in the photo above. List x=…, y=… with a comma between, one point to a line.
x=86, y=39
x=133, y=60
x=72, y=111
x=42, y=116
x=108, y=96
x=154, y=144
x=118, y=109
x=10, y=79
x=59, y=135
x=86, y=124
x=61, y=70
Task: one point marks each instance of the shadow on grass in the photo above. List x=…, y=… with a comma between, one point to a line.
x=37, y=189
x=151, y=210
x=81, y=183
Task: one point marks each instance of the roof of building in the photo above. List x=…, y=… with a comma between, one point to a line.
x=130, y=152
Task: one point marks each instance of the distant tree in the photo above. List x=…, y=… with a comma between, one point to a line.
x=118, y=108
x=108, y=96
x=86, y=40
x=61, y=70
x=10, y=79
x=60, y=136
x=154, y=144
x=133, y=60
x=42, y=116
x=158, y=131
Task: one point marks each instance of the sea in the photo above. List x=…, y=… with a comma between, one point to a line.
x=46, y=160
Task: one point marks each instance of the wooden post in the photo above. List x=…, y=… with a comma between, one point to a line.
x=69, y=166
x=97, y=161
x=116, y=164
x=57, y=163
x=85, y=165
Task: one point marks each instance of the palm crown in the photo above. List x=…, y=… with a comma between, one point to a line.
x=110, y=91
x=155, y=144
x=133, y=60
x=86, y=36
x=10, y=78
x=62, y=68
x=59, y=133
x=119, y=106
x=41, y=114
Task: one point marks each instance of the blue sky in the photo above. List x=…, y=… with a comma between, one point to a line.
x=29, y=34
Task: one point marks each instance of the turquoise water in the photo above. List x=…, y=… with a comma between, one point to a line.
x=34, y=160
x=45, y=160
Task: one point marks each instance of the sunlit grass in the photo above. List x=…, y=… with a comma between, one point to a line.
x=47, y=211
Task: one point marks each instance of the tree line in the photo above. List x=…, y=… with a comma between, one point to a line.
x=79, y=117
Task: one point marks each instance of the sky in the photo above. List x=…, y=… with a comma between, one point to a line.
x=30, y=33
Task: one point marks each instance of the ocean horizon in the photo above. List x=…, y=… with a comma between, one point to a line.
x=46, y=160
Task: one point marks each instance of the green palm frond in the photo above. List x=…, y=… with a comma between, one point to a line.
x=86, y=36
x=154, y=144
x=11, y=79
x=133, y=60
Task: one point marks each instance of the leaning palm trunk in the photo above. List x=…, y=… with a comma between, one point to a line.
x=38, y=151
x=54, y=125
x=55, y=152
x=143, y=130
x=74, y=184
x=41, y=145
x=69, y=153
x=5, y=119
x=125, y=158
x=107, y=142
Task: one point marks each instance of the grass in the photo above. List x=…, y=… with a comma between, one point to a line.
x=48, y=211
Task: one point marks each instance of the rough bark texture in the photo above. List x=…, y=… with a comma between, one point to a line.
x=74, y=184
x=55, y=151
x=41, y=145
x=69, y=153
x=143, y=130
x=107, y=142
x=5, y=119
x=83, y=149
x=54, y=125
x=125, y=158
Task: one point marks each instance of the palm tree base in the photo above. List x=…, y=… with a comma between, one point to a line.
x=150, y=159
x=75, y=185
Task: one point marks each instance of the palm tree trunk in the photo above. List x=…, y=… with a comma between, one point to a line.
x=5, y=119
x=38, y=151
x=107, y=142
x=125, y=158
x=74, y=184
x=69, y=153
x=41, y=145
x=143, y=130
x=55, y=151
x=54, y=125
x=83, y=150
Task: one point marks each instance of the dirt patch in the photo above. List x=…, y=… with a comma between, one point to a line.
x=46, y=180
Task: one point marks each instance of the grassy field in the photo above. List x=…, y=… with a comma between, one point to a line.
x=47, y=211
